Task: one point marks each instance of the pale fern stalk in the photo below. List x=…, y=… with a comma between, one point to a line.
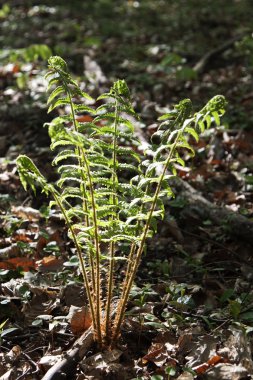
x=80, y=257
x=112, y=244
x=95, y=270
x=81, y=161
x=135, y=264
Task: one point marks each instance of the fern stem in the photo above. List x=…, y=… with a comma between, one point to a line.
x=122, y=304
x=132, y=251
x=112, y=245
x=128, y=269
x=97, y=248
x=84, y=272
x=95, y=274
x=87, y=222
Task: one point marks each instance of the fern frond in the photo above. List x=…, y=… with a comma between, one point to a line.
x=104, y=203
x=30, y=175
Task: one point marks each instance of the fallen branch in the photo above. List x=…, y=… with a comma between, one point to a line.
x=64, y=368
x=203, y=62
x=238, y=225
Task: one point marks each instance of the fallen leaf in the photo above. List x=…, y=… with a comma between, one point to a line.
x=84, y=119
x=49, y=264
x=200, y=369
x=26, y=213
x=43, y=301
x=214, y=360
x=79, y=319
x=73, y=295
x=226, y=372
x=185, y=376
x=22, y=235
x=201, y=350
x=52, y=236
x=18, y=262
x=215, y=162
x=7, y=252
x=48, y=361
x=13, y=354
x=15, y=68
x=103, y=358
x=155, y=351
x=8, y=375
x=4, y=177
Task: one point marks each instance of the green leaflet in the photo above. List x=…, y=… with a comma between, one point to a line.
x=68, y=179
x=53, y=81
x=76, y=212
x=61, y=102
x=123, y=107
x=57, y=91
x=192, y=132
x=169, y=115
x=63, y=155
x=83, y=108
x=128, y=167
x=57, y=63
x=57, y=143
x=29, y=173
x=110, y=116
x=116, y=238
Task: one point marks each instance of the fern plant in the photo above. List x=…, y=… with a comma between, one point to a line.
x=109, y=196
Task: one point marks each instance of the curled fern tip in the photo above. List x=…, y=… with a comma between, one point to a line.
x=57, y=62
x=217, y=103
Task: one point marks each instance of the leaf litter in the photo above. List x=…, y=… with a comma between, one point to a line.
x=196, y=317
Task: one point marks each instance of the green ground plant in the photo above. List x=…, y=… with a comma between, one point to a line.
x=108, y=193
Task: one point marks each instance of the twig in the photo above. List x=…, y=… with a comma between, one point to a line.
x=65, y=367
x=214, y=242
x=200, y=66
x=239, y=226
x=29, y=370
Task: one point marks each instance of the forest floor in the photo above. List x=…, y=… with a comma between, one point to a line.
x=190, y=315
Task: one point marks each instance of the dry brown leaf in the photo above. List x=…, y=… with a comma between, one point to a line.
x=202, y=368
x=49, y=264
x=239, y=348
x=79, y=319
x=226, y=372
x=74, y=294
x=84, y=119
x=154, y=354
x=185, y=376
x=53, y=235
x=48, y=361
x=9, y=375
x=202, y=349
x=104, y=365
x=13, y=354
x=22, y=235
x=26, y=213
x=18, y=262
x=10, y=251
x=174, y=230
x=43, y=302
